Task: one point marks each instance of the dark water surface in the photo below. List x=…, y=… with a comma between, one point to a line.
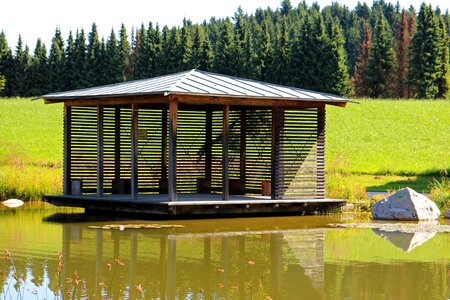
x=59, y=255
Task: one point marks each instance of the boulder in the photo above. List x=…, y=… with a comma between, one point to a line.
x=405, y=204
x=447, y=214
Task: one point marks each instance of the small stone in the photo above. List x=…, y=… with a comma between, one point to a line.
x=405, y=204
x=447, y=214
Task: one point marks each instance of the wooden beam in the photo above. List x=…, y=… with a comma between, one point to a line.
x=277, y=127
x=67, y=180
x=100, y=151
x=225, y=148
x=134, y=149
x=117, y=143
x=208, y=147
x=172, y=180
x=243, y=147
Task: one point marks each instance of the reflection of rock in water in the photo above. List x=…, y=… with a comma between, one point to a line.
x=307, y=246
x=403, y=240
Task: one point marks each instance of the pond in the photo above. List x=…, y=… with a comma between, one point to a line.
x=62, y=254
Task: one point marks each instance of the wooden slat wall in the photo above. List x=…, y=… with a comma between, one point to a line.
x=84, y=147
x=190, y=150
x=302, y=155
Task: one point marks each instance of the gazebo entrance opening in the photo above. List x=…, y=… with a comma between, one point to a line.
x=178, y=149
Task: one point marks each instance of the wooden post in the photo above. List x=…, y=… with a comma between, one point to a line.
x=100, y=151
x=277, y=170
x=320, y=193
x=134, y=150
x=117, y=143
x=243, y=148
x=208, y=147
x=225, y=147
x=172, y=180
x=164, y=144
x=67, y=180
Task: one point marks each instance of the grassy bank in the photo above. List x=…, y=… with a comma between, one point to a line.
x=376, y=145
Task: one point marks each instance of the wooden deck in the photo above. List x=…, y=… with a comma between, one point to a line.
x=194, y=205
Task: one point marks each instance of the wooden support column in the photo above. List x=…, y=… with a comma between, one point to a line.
x=134, y=149
x=164, y=144
x=172, y=180
x=243, y=148
x=320, y=193
x=277, y=173
x=208, y=148
x=117, y=143
x=67, y=180
x=225, y=148
x=100, y=151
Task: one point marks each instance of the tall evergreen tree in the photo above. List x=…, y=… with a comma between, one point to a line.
x=186, y=46
x=202, y=54
x=80, y=59
x=335, y=76
x=281, y=61
x=265, y=53
x=21, y=65
x=443, y=80
x=426, y=55
x=70, y=65
x=94, y=59
x=402, y=43
x=114, y=71
x=360, y=83
x=39, y=70
x=124, y=53
x=381, y=60
x=56, y=63
x=224, y=54
x=6, y=66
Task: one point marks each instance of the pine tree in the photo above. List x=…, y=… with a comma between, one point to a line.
x=224, y=54
x=381, y=60
x=39, y=70
x=94, y=58
x=114, y=71
x=70, y=64
x=202, y=54
x=6, y=65
x=282, y=56
x=335, y=76
x=360, y=83
x=401, y=46
x=426, y=55
x=143, y=54
x=124, y=53
x=265, y=53
x=443, y=80
x=186, y=46
x=80, y=60
x=286, y=7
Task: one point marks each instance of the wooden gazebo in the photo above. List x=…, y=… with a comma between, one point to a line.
x=194, y=143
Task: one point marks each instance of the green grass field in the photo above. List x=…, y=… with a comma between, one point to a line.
x=376, y=145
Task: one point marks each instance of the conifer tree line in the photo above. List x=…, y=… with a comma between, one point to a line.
x=377, y=51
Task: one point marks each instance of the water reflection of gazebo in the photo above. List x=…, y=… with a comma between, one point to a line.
x=225, y=265
x=195, y=143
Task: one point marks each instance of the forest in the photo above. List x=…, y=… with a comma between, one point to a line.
x=379, y=52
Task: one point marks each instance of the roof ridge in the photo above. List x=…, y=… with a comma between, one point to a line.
x=172, y=88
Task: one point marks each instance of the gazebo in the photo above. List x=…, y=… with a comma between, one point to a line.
x=194, y=143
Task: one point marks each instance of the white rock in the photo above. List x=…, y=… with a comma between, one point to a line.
x=12, y=203
x=447, y=214
x=405, y=204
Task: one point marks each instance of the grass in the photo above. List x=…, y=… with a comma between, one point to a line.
x=377, y=145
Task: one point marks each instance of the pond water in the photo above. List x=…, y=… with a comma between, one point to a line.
x=51, y=254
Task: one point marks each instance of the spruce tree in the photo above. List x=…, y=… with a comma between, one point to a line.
x=80, y=60
x=124, y=53
x=93, y=62
x=443, y=80
x=202, y=54
x=186, y=47
x=381, y=60
x=21, y=65
x=426, y=55
x=114, y=71
x=265, y=54
x=335, y=76
x=6, y=65
x=360, y=81
x=281, y=60
x=224, y=54
x=39, y=70
x=70, y=65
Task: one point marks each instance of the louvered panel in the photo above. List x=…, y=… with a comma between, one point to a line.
x=83, y=147
x=300, y=172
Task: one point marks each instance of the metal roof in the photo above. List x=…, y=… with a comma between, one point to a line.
x=195, y=82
